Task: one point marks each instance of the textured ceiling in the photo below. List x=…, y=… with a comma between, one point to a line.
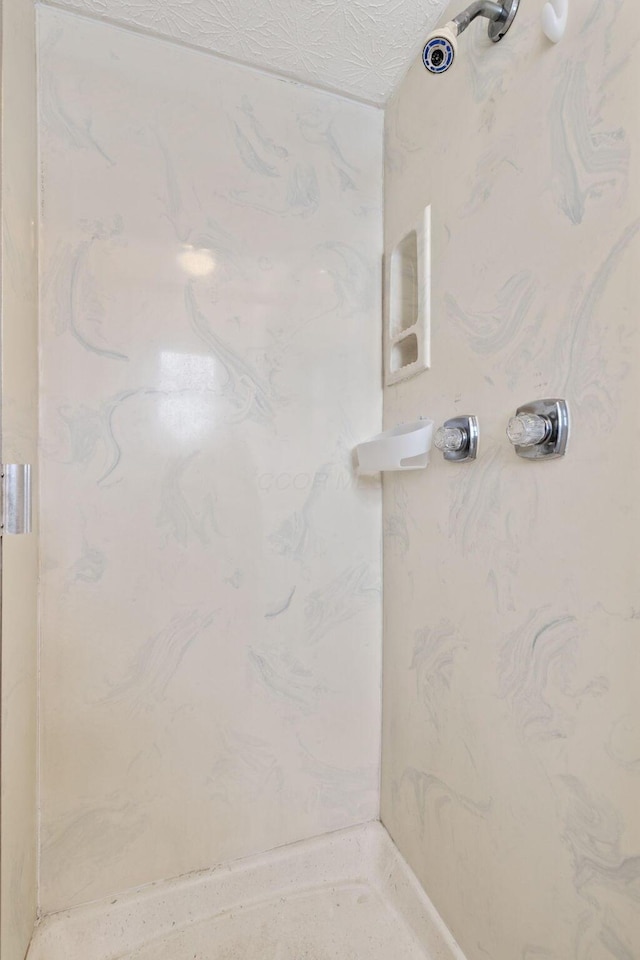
x=359, y=47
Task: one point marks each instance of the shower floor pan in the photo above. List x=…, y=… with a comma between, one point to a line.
x=345, y=896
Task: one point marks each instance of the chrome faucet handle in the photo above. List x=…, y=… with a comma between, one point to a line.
x=528, y=429
x=458, y=439
x=450, y=439
x=540, y=430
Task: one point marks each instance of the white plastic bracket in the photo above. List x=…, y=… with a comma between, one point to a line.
x=555, y=14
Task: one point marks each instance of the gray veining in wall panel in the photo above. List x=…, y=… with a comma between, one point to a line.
x=211, y=244
x=511, y=742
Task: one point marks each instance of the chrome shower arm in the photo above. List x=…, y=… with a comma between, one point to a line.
x=439, y=51
x=481, y=8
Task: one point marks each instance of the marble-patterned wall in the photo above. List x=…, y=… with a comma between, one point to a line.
x=511, y=743
x=19, y=406
x=211, y=246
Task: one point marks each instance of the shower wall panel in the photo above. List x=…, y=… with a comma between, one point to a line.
x=211, y=245
x=19, y=403
x=511, y=762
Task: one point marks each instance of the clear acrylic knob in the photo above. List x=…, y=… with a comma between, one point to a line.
x=450, y=439
x=540, y=429
x=457, y=439
x=528, y=430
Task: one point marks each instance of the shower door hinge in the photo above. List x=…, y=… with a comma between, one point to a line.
x=15, y=498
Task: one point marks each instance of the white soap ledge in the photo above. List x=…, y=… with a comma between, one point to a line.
x=406, y=447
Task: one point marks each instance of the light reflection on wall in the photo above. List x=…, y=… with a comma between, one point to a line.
x=196, y=261
x=188, y=383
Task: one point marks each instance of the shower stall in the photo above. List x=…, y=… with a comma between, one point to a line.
x=256, y=704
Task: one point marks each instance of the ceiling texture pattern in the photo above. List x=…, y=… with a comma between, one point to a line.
x=361, y=48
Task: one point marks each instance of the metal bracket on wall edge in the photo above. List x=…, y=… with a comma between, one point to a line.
x=16, y=498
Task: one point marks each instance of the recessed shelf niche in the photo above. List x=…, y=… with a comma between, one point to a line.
x=408, y=303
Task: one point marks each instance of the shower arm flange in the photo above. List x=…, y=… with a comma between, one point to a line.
x=497, y=13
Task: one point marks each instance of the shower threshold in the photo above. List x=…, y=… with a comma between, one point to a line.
x=347, y=895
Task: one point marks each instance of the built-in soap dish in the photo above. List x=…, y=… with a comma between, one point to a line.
x=405, y=447
x=407, y=304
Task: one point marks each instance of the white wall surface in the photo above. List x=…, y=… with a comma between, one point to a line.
x=211, y=242
x=19, y=401
x=511, y=764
